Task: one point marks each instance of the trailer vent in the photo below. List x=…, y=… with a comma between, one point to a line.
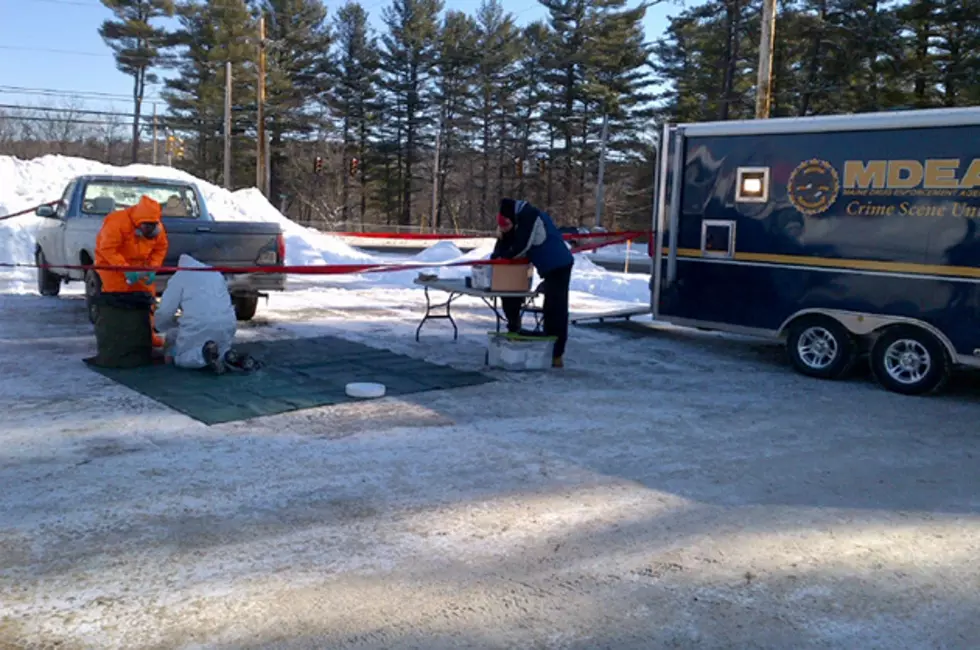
x=752, y=185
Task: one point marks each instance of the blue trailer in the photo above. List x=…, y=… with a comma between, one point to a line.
x=845, y=236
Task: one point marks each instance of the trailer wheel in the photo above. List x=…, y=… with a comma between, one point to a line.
x=819, y=346
x=909, y=360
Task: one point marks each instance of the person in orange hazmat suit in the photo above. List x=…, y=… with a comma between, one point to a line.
x=133, y=236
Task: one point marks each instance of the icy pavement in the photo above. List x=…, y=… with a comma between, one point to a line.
x=666, y=489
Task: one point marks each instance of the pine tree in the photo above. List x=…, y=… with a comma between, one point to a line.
x=136, y=42
x=408, y=62
x=499, y=48
x=531, y=96
x=298, y=70
x=353, y=95
x=569, y=21
x=458, y=55
x=212, y=34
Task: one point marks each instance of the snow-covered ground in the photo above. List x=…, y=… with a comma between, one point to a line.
x=667, y=489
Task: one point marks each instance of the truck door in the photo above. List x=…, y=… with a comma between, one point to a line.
x=82, y=231
x=52, y=234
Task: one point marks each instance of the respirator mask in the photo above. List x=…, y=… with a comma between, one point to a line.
x=148, y=229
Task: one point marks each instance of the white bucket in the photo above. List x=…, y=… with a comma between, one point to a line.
x=511, y=352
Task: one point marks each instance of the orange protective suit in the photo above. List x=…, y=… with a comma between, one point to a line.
x=119, y=244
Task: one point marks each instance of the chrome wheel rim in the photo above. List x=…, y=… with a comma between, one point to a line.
x=817, y=348
x=907, y=361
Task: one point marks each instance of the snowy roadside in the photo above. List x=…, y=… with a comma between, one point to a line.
x=668, y=488
x=664, y=490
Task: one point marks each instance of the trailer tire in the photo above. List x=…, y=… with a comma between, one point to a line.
x=245, y=307
x=820, y=347
x=48, y=283
x=909, y=360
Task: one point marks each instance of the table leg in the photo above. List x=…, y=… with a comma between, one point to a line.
x=492, y=304
x=430, y=316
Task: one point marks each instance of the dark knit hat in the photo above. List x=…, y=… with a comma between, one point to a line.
x=508, y=207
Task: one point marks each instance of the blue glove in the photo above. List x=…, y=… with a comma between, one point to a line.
x=132, y=277
x=150, y=277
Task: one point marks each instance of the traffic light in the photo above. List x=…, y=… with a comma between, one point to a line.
x=174, y=146
x=354, y=163
x=317, y=164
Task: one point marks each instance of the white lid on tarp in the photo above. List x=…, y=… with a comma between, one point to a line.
x=365, y=390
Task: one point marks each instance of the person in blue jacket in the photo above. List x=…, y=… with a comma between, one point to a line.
x=527, y=232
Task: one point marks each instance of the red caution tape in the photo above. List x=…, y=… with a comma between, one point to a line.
x=27, y=211
x=605, y=239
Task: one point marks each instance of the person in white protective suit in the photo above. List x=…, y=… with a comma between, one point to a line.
x=203, y=335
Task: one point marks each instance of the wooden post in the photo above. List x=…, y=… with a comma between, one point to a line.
x=763, y=92
x=227, y=160
x=435, y=182
x=154, y=133
x=260, y=157
x=629, y=247
x=599, y=189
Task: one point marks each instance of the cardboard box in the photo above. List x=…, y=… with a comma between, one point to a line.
x=511, y=277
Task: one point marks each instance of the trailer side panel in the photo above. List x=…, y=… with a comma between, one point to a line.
x=880, y=222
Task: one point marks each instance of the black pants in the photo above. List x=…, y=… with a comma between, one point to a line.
x=555, y=307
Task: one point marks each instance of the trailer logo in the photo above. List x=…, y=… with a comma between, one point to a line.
x=813, y=186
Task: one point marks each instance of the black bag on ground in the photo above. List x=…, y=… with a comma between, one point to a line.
x=123, y=330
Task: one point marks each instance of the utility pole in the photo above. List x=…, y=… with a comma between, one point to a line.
x=599, y=189
x=154, y=133
x=260, y=148
x=435, y=181
x=763, y=92
x=227, y=125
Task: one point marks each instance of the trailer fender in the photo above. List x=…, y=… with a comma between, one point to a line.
x=863, y=324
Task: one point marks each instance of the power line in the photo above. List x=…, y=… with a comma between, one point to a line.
x=92, y=95
x=75, y=3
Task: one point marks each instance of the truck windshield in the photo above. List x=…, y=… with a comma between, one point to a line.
x=102, y=197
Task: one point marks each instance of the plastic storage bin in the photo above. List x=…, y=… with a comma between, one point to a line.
x=517, y=352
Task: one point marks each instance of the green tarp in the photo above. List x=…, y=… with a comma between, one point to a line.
x=297, y=374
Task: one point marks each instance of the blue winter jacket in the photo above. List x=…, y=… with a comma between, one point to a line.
x=535, y=237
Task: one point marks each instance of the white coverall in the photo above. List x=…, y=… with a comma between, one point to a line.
x=206, y=314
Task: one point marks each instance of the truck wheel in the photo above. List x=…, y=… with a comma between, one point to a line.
x=48, y=284
x=909, y=360
x=245, y=307
x=93, y=287
x=819, y=346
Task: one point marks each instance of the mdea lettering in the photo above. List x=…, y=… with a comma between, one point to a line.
x=929, y=175
x=954, y=209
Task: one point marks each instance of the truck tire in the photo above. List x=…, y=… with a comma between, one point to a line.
x=820, y=347
x=93, y=287
x=48, y=284
x=245, y=307
x=909, y=360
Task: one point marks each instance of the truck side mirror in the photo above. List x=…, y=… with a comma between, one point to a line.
x=45, y=211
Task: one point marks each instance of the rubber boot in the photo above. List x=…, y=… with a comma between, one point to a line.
x=213, y=358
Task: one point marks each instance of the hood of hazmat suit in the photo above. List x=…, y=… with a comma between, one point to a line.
x=206, y=314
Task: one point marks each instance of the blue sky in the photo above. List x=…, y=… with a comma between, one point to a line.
x=84, y=70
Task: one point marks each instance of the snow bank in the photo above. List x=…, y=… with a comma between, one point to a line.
x=17, y=237
x=27, y=183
